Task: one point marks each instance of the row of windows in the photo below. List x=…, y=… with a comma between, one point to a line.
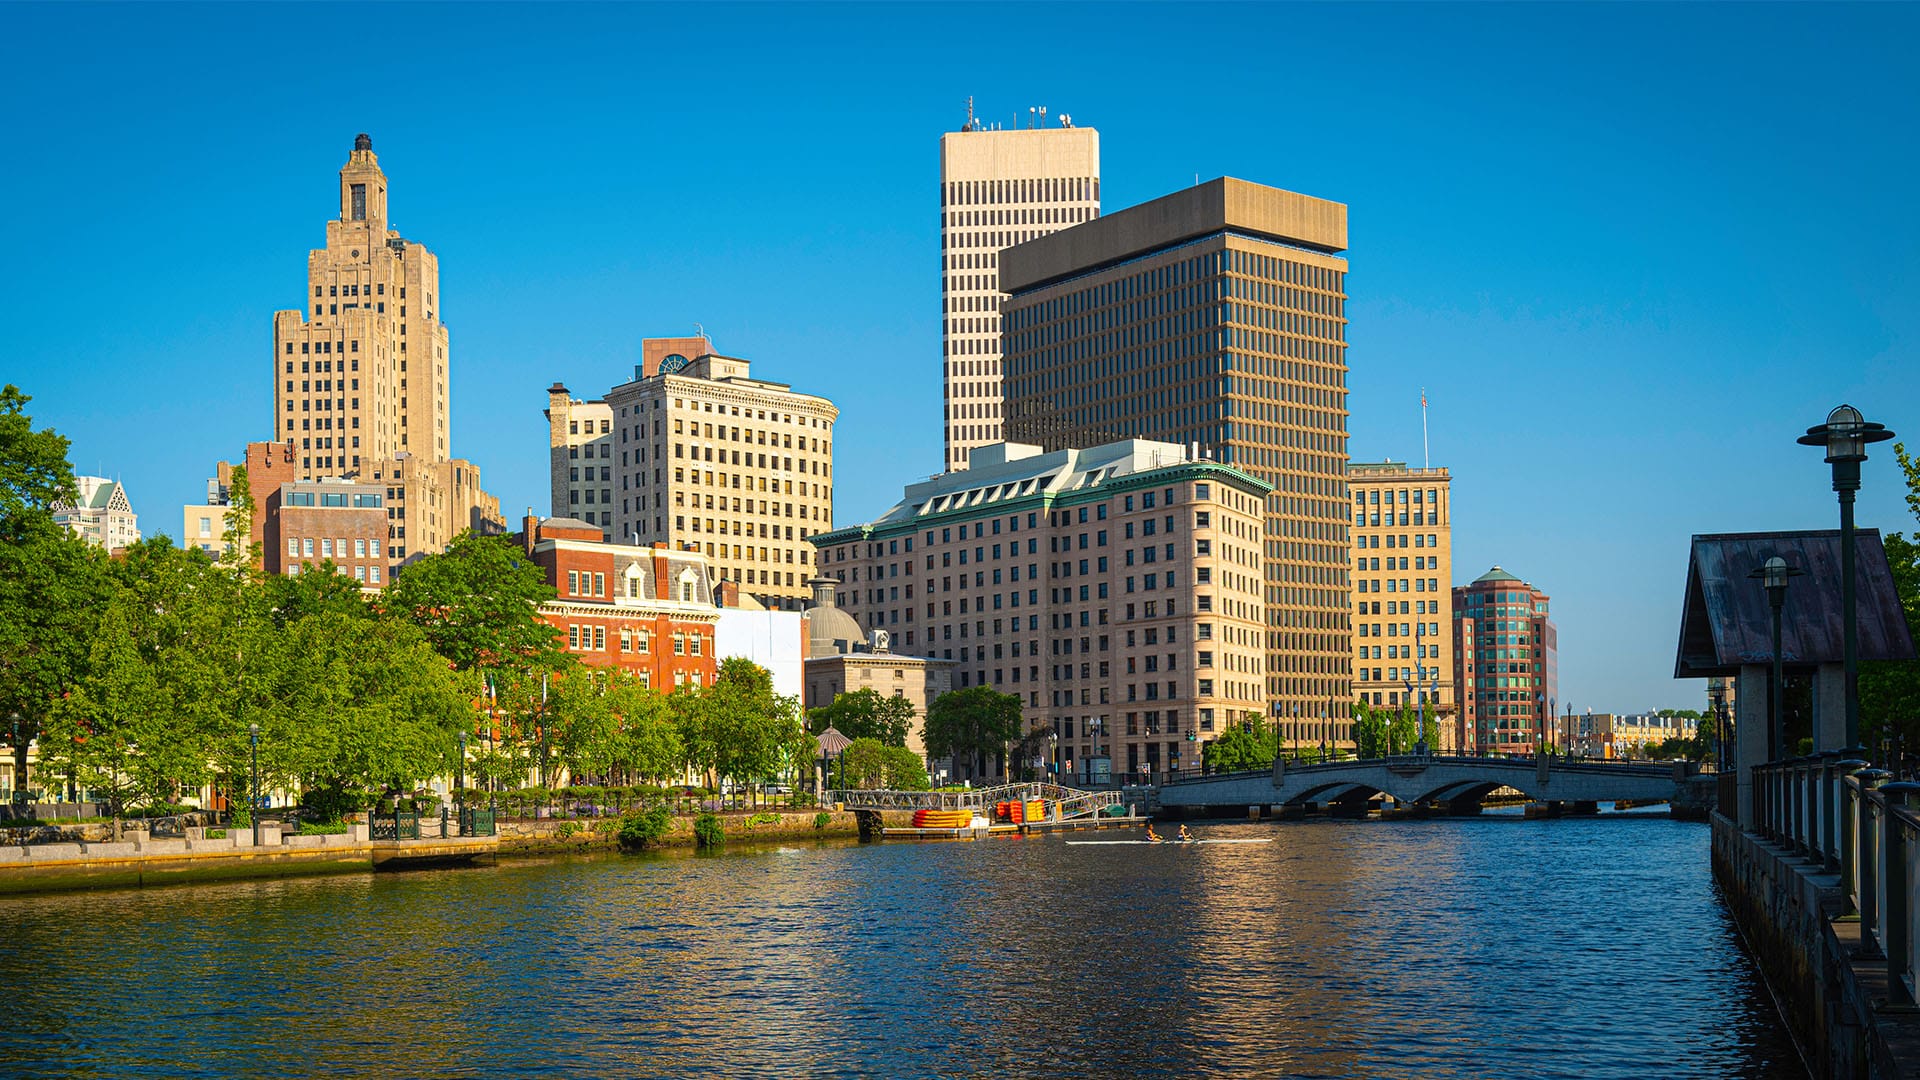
x=1054, y=189
x=330, y=548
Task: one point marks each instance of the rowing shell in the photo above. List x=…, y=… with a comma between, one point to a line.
x=1089, y=843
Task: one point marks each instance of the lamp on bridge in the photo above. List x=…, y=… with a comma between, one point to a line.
x=1717, y=697
x=1774, y=575
x=1845, y=436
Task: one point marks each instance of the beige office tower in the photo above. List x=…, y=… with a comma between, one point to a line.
x=1214, y=316
x=997, y=189
x=1402, y=592
x=696, y=452
x=361, y=382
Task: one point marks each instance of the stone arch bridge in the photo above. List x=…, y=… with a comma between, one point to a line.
x=1458, y=783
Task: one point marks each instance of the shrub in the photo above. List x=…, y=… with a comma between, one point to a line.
x=322, y=828
x=822, y=819
x=567, y=829
x=216, y=834
x=763, y=819
x=640, y=828
x=708, y=832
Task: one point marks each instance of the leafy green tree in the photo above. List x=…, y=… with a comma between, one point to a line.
x=1246, y=745
x=1370, y=730
x=33, y=464
x=865, y=714
x=904, y=770
x=322, y=590
x=1890, y=689
x=477, y=602
x=971, y=723
x=381, y=710
x=52, y=588
x=739, y=729
x=864, y=765
x=52, y=585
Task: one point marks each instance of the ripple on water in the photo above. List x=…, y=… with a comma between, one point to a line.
x=1458, y=949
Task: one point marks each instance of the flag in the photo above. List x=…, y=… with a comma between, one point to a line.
x=1423, y=397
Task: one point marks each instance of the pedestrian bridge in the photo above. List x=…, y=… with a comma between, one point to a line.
x=1460, y=782
x=1071, y=802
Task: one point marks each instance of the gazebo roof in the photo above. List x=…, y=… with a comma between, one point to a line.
x=1726, y=622
x=832, y=742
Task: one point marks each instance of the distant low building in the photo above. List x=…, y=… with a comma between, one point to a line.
x=840, y=661
x=100, y=513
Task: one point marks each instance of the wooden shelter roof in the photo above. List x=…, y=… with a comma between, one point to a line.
x=1726, y=622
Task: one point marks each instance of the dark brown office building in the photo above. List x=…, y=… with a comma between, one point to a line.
x=1213, y=316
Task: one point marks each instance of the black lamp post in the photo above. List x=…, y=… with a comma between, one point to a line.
x=1717, y=700
x=460, y=766
x=1774, y=575
x=1845, y=436
x=253, y=811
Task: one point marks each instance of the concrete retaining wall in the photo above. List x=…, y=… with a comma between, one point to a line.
x=144, y=861
x=530, y=836
x=1789, y=911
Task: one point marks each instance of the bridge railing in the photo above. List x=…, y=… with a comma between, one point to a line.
x=1845, y=816
x=1597, y=766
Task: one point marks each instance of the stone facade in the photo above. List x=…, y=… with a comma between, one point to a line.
x=1116, y=590
x=997, y=189
x=702, y=455
x=1402, y=592
x=361, y=381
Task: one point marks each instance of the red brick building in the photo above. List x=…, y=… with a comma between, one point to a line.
x=309, y=522
x=649, y=610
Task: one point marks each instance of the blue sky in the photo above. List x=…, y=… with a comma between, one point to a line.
x=1631, y=251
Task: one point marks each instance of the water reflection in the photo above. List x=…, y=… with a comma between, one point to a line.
x=1475, y=948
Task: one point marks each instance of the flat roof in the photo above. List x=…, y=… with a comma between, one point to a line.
x=1219, y=205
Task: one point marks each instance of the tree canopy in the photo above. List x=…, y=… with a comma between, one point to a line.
x=865, y=714
x=971, y=723
x=477, y=602
x=1247, y=745
x=1890, y=689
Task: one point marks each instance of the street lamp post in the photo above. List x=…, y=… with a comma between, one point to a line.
x=253, y=810
x=460, y=766
x=1845, y=436
x=1774, y=575
x=1717, y=699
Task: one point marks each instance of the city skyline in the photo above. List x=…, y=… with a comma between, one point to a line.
x=1736, y=252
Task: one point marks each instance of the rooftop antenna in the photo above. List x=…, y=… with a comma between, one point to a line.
x=969, y=126
x=1030, y=115
x=1043, y=116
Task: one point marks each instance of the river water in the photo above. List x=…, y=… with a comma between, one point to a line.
x=1464, y=948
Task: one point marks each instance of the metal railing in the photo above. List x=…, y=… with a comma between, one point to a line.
x=1845, y=816
x=477, y=821
x=1072, y=801
x=399, y=825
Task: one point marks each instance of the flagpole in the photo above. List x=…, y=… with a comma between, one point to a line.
x=1426, y=456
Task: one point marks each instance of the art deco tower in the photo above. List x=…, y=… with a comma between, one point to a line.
x=997, y=189
x=361, y=374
